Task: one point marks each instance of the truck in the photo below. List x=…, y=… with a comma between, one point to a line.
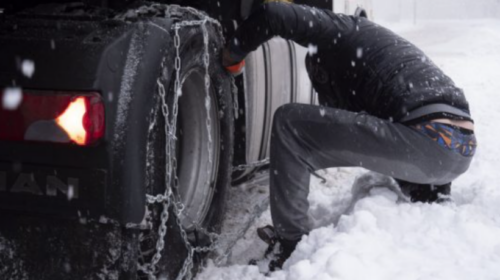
x=121, y=132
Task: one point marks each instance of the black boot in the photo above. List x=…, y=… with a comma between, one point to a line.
x=285, y=250
x=278, y=254
x=424, y=192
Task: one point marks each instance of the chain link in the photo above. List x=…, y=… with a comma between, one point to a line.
x=208, y=102
x=252, y=165
x=234, y=89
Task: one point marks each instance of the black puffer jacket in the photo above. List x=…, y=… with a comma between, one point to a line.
x=359, y=65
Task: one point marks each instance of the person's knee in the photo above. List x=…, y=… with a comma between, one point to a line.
x=285, y=113
x=282, y=119
x=286, y=110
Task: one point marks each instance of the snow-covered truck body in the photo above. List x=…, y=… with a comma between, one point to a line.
x=79, y=208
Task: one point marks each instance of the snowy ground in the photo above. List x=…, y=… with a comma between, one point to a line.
x=384, y=239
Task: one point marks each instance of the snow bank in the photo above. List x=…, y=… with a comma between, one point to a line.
x=383, y=240
x=386, y=240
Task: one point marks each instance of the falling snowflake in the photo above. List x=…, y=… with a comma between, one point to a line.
x=28, y=68
x=312, y=49
x=12, y=98
x=322, y=112
x=359, y=53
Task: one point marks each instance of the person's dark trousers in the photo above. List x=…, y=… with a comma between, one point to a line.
x=306, y=138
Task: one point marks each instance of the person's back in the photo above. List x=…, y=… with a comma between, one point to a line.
x=386, y=75
x=359, y=65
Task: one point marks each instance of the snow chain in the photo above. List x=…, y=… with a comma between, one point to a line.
x=251, y=165
x=169, y=199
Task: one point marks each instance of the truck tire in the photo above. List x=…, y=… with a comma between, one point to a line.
x=202, y=183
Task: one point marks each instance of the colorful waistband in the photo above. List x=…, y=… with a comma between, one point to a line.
x=450, y=137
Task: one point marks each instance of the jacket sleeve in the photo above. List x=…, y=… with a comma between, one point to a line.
x=301, y=24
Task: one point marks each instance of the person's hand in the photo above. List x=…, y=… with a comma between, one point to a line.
x=232, y=66
x=226, y=58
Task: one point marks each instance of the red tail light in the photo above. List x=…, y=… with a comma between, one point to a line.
x=62, y=117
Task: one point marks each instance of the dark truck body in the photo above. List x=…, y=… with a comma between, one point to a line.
x=82, y=56
x=47, y=236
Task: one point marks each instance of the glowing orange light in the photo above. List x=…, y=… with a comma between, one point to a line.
x=71, y=120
